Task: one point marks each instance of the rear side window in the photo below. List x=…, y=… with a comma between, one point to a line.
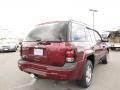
x=49, y=32
x=92, y=36
x=97, y=37
x=78, y=32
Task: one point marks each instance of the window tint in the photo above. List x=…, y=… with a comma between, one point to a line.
x=49, y=32
x=78, y=32
x=97, y=37
x=90, y=36
x=94, y=36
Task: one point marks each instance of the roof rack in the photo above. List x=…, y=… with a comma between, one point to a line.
x=79, y=22
x=83, y=24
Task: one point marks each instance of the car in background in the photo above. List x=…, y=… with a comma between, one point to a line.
x=112, y=39
x=8, y=45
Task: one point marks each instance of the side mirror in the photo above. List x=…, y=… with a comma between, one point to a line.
x=104, y=40
x=20, y=43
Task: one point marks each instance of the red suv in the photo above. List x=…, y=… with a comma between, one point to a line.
x=63, y=50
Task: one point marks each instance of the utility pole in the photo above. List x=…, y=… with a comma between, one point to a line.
x=93, y=11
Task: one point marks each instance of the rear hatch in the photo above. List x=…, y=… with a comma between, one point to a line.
x=48, y=54
x=46, y=44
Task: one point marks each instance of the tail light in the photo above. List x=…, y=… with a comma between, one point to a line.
x=70, y=55
x=22, y=49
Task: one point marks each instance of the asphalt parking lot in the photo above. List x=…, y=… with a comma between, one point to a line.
x=106, y=77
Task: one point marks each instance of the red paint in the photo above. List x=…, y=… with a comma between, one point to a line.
x=51, y=64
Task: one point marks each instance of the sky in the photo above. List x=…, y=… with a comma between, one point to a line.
x=20, y=16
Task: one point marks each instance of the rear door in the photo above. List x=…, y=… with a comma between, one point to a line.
x=52, y=53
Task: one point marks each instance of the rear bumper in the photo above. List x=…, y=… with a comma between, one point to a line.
x=49, y=72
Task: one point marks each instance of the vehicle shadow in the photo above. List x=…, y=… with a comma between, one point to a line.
x=45, y=84
x=7, y=52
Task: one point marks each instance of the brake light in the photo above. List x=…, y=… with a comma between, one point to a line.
x=70, y=55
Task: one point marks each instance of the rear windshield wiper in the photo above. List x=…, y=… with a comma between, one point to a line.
x=43, y=42
x=39, y=40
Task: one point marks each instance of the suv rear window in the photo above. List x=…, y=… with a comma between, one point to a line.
x=49, y=32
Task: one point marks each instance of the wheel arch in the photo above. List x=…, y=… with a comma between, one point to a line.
x=91, y=58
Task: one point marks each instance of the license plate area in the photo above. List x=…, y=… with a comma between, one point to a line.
x=38, y=51
x=5, y=49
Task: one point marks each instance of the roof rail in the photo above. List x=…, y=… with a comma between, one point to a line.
x=79, y=22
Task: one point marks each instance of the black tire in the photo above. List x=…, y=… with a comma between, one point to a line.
x=105, y=59
x=83, y=82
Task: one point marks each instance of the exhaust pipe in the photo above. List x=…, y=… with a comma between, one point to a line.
x=32, y=75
